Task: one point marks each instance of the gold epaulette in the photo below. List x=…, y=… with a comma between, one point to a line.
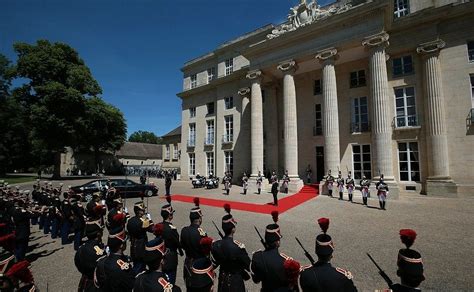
x=345, y=273
x=239, y=244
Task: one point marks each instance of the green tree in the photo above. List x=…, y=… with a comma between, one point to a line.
x=144, y=137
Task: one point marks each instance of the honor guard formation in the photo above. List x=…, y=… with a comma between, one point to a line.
x=155, y=248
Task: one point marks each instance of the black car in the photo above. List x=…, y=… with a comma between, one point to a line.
x=124, y=187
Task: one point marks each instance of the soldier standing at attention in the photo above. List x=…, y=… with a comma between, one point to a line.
x=364, y=188
x=190, y=239
x=329, y=182
x=171, y=237
x=322, y=276
x=267, y=265
x=349, y=185
x=259, y=182
x=168, y=183
x=231, y=256
x=382, y=192
x=87, y=255
x=227, y=183
x=286, y=181
x=67, y=218
x=274, y=181
x=245, y=183
x=202, y=273
x=309, y=174
x=137, y=228
x=340, y=185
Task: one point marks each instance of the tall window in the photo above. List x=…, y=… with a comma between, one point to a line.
x=229, y=161
x=402, y=66
x=229, y=102
x=167, y=152
x=210, y=132
x=211, y=73
x=405, y=107
x=193, y=81
x=360, y=115
x=192, y=164
x=318, y=121
x=401, y=8
x=229, y=129
x=362, y=162
x=210, y=108
x=210, y=162
x=358, y=78
x=317, y=87
x=229, y=66
x=409, y=161
x=192, y=112
x=175, y=152
x=192, y=135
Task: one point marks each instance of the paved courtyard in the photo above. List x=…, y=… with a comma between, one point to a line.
x=444, y=227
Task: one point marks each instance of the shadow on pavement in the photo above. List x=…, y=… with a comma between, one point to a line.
x=34, y=256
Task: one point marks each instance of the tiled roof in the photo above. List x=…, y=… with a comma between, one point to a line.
x=140, y=150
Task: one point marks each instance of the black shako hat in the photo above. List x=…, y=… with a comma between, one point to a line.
x=92, y=228
x=195, y=212
x=324, y=244
x=154, y=250
x=409, y=261
x=228, y=221
x=272, y=232
x=167, y=209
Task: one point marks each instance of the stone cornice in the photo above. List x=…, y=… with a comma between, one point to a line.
x=380, y=39
x=287, y=66
x=430, y=47
x=244, y=91
x=323, y=55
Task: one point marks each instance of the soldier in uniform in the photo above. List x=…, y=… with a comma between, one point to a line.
x=171, y=237
x=67, y=218
x=322, y=276
x=116, y=216
x=79, y=223
x=91, y=205
x=286, y=181
x=382, y=192
x=274, y=181
x=137, y=228
x=191, y=237
x=201, y=276
x=168, y=182
x=113, y=272
x=267, y=265
x=410, y=264
x=245, y=183
x=87, y=255
x=154, y=279
x=329, y=182
x=21, y=219
x=340, y=185
x=364, y=188
x=349, y=185
x=309, y=174
x=18, y=278
x=231, y=256
x=227, y=182
x=259, y=182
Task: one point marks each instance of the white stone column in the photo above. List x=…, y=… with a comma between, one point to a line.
x=290, y=129
x=381, y=105
x=256, y=122
x=438, y=160
x=244, y=133
x=332, y=153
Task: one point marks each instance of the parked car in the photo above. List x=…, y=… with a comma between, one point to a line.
x=125, y=187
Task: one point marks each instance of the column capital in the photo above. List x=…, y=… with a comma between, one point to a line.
x=379, y=39
x=287, y=66
x=326, y=54
x=430, y=47
x=254, y=74
x=244, y=91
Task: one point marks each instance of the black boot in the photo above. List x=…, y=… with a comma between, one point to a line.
x=245, y=192
x=228, y=192
x=381, y=205
x=364, y=199
x=259, y=191
x=286, y=191
x=350, y=197
x=340, y=195
x=330, y=193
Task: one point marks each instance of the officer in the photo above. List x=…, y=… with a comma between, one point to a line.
x=340, y=185
x=87, y=255
x=168, y=182
x=286, y=181
x=116, y=216
x=137, y=228
x=79, y=222
x=259, y=182
x=245, y=183
x=190, y=239
x=154, y=279
x=171, y=237
x=274, y=182
x=350, y=185
x=67, y=219
x=202, y=275
x=410, y=264
x=231, y=256
x=227, y=182
x=322, y=276
x=267, y=265
x=114, y=272
x=382, y=192
x=329, y=182
x=364, y=188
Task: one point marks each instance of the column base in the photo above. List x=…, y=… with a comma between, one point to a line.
x=294, y=185
x=441, y=188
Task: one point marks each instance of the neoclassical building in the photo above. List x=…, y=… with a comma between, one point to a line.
x=372, y=87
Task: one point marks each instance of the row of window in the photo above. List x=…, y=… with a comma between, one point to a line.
x=175, y=152
x=228, y=162
x=211, y=73
x=228, y=136
x=228, y=101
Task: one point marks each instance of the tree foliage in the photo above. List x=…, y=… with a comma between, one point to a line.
x=144, y=137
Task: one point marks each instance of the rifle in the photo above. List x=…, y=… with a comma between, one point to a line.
x=306, y=253
x=381, y=272
x=218, y=230
x=261, y=238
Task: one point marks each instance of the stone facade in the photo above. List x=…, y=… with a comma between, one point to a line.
x=172, y=149
x=360, y=86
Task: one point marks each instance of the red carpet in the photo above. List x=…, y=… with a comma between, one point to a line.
x=306, y=193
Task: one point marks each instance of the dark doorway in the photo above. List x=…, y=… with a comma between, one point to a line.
x=319, y=163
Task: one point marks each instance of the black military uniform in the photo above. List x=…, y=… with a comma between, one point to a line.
x=153, y=279
x=114, y=272
x=137, y=228
x=190, y=239
x=231, y=256
x=274, y=181
x=322, y=276
x=79, y=222
x=87, y=255
x=171, y=237
x=267, y=265
x=21, y=218
x=67, y=219
x=116, y=217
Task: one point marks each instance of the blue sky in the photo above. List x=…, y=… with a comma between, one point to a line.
x=135, y=48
